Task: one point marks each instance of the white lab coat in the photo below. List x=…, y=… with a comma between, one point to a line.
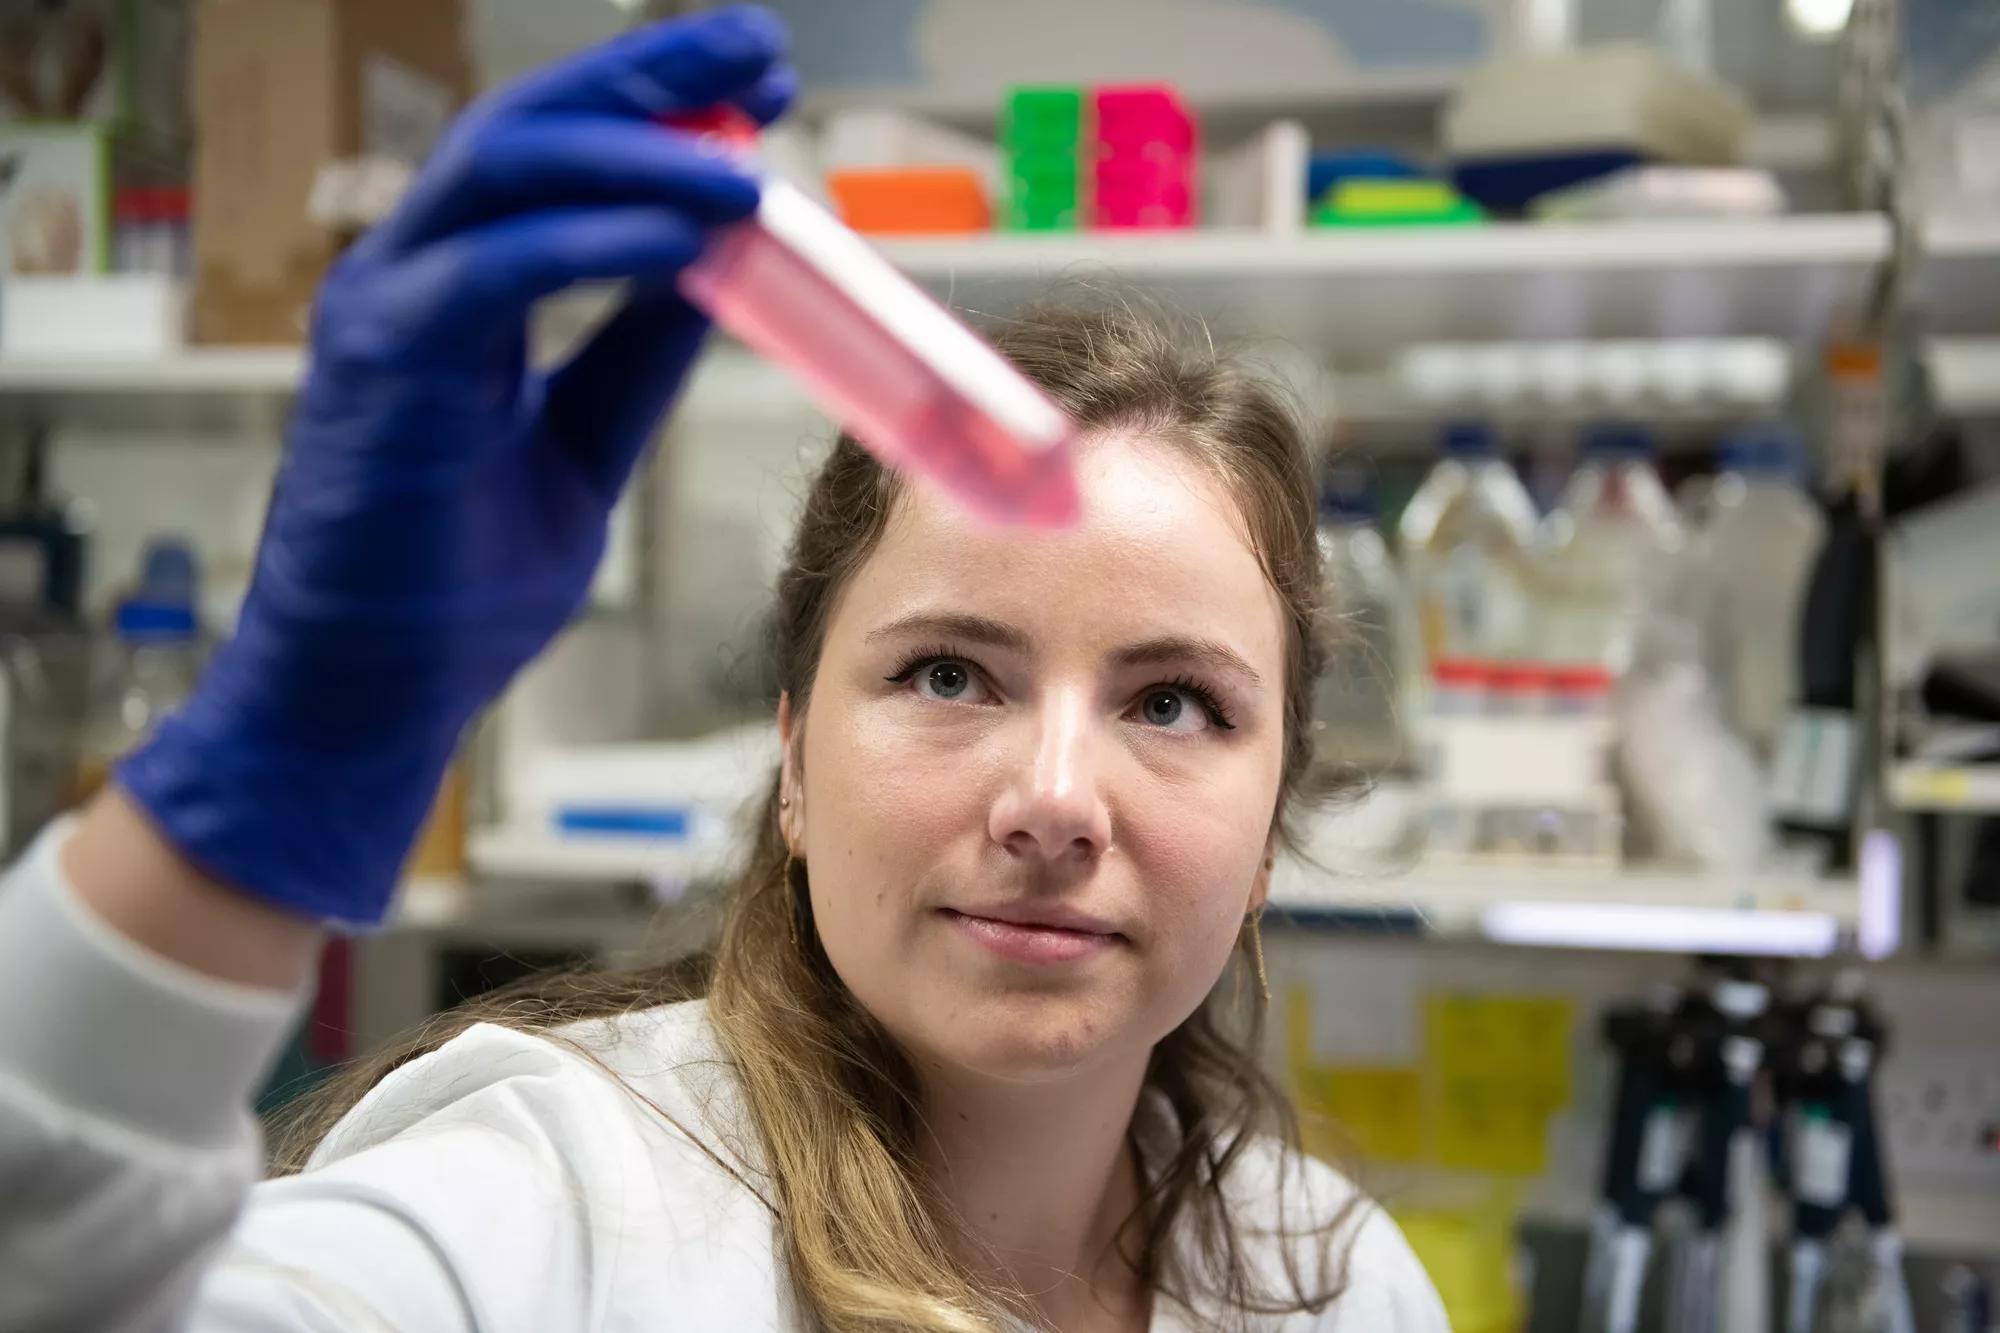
x=505, y=1183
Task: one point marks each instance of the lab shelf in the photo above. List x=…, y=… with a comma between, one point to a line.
x=1357, y=294
x=1946, y=788
x=227, y=390
x=529, y=854
x=1772, y=915
x=203, y=370
x=1659, y=911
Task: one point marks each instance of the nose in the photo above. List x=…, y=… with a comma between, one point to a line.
x=1052, y=806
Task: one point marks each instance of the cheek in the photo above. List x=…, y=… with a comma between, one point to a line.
x=883, y=796
x=1200, y=873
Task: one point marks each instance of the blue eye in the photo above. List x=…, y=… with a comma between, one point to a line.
x=1171, y=709
x=940, y=676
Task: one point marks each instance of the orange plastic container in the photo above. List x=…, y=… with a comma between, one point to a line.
x=911, y=200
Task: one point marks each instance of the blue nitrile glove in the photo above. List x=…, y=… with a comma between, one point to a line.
x=441, y=507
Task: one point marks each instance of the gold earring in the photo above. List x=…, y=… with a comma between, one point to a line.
x=791, y=897
x=1257, y=951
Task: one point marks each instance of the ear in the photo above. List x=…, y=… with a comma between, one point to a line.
x=791, y=790
x=1260, y=887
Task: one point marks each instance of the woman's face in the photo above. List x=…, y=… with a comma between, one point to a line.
x=1036, y=784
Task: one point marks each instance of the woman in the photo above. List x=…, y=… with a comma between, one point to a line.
x=955, y=1067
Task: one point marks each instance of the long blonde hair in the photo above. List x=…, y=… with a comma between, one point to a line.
x=868, y=1241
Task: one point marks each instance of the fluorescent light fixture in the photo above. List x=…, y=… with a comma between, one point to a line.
x=1819, y=18
x=1879, y=929
x=1662, y=929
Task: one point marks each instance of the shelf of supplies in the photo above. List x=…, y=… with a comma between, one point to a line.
x=1947, y=788
x=1396, y=103
x=1357, y=293
x=1773, y=915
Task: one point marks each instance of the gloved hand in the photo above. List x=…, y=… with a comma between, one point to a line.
x=441, y=507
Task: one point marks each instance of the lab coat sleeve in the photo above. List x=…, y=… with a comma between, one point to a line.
x=467, y=1191
x=1388, y=1290
x=126, y=1138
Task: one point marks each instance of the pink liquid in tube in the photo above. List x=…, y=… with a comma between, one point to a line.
x=914, y=385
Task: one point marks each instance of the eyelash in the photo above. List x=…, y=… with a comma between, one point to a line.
x=1218, y=714
x=1201, y=694
x=917, y=661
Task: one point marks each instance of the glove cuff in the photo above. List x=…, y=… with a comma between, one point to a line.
x=323, y=835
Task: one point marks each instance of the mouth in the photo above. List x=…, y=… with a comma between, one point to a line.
x=1043, y=938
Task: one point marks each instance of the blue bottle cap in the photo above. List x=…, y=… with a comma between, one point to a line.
x=1347, y=495
x=1769, y=449
x=1617, y=441
x=141, y=621
x=1468, y=439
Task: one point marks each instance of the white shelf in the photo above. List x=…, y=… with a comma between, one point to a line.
x=1646, y=910
x=530, y=854
x=227, y=391
x=248, y=371
x=1948, y=788
x=1658, y=911
x=1354, y=295
x=1357, y=294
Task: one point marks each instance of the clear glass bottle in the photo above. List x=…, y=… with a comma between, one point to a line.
x=1468, y=541
x=147, y=668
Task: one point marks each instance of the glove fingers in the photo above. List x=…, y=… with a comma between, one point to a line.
x=772, y=96
x=681, y=65
x=537, y=164
x=605, y=403
x=449, y=304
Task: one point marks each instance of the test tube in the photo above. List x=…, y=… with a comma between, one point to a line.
x=915, y=386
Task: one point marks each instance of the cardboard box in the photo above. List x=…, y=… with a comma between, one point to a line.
x=284, y=89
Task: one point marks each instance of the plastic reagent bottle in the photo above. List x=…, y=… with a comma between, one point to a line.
x=1360, y=698
x=1754, y=558
x=1611, y=542
x=1468, y=540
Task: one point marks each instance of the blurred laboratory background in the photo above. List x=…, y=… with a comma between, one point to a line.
x=1651, y=348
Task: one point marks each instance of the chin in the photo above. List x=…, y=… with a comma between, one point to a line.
x=1031, y=1036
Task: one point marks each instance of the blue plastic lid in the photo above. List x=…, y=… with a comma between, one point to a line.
x=1468, y=439
x=1347, y=495
x=1616, y=441
x=1770, y=449
x=154, y=621
x=1325, y=170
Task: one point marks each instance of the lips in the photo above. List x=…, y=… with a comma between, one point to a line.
x=1042, y=936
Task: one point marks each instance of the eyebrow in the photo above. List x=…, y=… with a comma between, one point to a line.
x=980, y=629
x=1176, y=648
x=948, y=625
